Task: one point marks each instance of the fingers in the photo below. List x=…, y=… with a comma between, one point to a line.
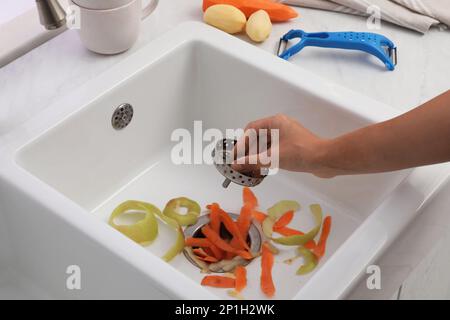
x=264, y=123
x=253, y=165
x=248, y=143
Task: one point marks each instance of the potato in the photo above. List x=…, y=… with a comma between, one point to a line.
x=259, y=26
x=226, y=18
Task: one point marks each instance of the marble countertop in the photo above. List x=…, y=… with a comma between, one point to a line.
x=42, y=76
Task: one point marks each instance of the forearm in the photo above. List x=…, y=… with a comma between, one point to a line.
x=419, y=137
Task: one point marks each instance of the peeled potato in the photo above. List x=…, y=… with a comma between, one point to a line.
x=226, y=18
x=259, y=26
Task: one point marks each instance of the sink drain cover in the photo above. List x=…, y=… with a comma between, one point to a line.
x=122, y=116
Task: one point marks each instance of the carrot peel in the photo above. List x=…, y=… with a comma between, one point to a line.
x=249, y=197
x=267, y=260
x=218, y=282
x=319, y=249
x=222, y=244
x=284, y=220
x=233, y=228
x=241, y=278
x=259, y=216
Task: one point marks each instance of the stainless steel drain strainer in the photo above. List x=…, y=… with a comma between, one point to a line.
x=255, y=236
x=223, y=158
x=122, y=116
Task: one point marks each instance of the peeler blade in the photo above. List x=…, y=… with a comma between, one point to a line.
x=282, y=45
x=392, y=54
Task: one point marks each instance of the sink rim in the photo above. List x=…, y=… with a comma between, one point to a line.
x=323, y=283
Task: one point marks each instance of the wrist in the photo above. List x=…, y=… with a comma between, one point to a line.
x=325, y=159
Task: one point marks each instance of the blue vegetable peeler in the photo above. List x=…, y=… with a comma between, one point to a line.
x=372, y=43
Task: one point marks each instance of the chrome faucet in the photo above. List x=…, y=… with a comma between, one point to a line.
x=51, y=14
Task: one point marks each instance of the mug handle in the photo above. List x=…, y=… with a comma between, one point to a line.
x=149, y=9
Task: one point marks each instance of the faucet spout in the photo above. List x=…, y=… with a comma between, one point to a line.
x=51, y=14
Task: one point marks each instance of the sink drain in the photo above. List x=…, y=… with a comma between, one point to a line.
x=254, y=240
x=122, y=116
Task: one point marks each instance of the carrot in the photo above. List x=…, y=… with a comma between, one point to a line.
x=217, y=253
x=267, y=260
x=319, y=250
x=204, y=243
x=218, y=282
x=249, y=197
x=197, y=242
x=259, y=216
x=284, y=220
x=214, y=219
x=202, y=255
x=232, y=227
x=244, y=221
x=199, y=252
x=229, y=255
x=286, y=231
x=209, y=259
x=215, y=238
x=278, y=12
x=208, y=251
x=241, y=278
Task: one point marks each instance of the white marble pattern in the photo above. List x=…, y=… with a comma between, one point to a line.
x=52, y=70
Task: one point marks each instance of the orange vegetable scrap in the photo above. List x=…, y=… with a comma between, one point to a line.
x=233, y=228
x=202, y=255
x=319, y=249
x=267, y=260
x=204, y=243
x=241, y=278
x=284, y=220
x=214, y=219
x=249, y=197
x=259, y=216
x=286, y=231
x=218, y=282
x=215, y=238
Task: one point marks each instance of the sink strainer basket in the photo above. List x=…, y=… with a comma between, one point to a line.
x=255, y=236
x=223, y=157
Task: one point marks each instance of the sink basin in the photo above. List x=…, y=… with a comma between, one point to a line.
x=63, y=172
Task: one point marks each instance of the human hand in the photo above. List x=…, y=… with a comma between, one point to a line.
x=297, y=148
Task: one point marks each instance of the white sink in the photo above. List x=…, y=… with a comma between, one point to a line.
x=63, y=172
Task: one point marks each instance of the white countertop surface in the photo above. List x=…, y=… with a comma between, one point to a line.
x=47, y=73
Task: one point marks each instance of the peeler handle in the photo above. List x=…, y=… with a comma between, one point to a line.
x=372, y=43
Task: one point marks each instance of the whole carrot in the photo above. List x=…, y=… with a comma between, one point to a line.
x=277, y=12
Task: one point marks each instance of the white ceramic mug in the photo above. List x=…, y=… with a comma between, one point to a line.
x=111, y=26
